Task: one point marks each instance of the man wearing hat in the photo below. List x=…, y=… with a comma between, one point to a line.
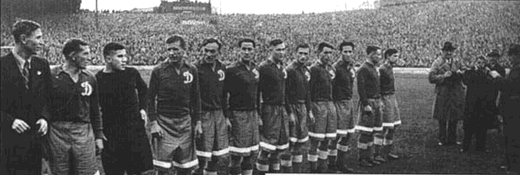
x=445, y=73
x=493, y=65
x=493, y=62
x=480, y=105
x=508, y=106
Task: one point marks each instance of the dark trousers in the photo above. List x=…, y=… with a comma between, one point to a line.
x=473, y=128
x=127, y=150
x=511, y=131
x=447, y=131
x=23, y=157
x=27, y=162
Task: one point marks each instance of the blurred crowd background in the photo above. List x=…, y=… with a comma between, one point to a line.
x=418, y=31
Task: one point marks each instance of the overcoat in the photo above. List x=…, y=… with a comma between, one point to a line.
x=449, y=92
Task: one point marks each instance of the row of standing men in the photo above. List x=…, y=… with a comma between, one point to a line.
x=271, y=108
x=202, y=110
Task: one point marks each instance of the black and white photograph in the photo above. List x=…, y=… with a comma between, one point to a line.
x=259, y=87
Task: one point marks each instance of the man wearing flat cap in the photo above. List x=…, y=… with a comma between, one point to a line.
x=508, y=107
x=493, y=62
x=445, y=73
x=493, y=65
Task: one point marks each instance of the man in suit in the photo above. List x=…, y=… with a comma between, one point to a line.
x=24, y=94
x=508, y=104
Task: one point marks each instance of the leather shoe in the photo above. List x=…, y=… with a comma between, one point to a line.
x=380, y=159
x=374, y=162
x=391, y=156
x=345, y=169
x=364, y=163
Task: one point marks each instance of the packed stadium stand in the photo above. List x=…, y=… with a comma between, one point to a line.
x=417, y=30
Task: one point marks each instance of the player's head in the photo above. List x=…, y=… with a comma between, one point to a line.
x=211, y=48
x=115, y=55
x=391, y=55
x=375, y=53
x=480, y=61
x=303, y=51
x=176, y=46
x=325, y=52
x=278, y=49
x=347, y=49
x=28, y=35
x=77, y=52
x=493, y=57
x=247, y=49
x=513, y=54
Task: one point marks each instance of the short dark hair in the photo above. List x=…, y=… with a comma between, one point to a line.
x=390, y=52
x=322, y=45
x=246, y=40
x=211, y=40
x=302, y=45
x=26, y=27
x=73, y=45
x=276, y=42
x=177, y=38
x=513, y=50
x=346, y=43
x=112, y=46
x=371, y=48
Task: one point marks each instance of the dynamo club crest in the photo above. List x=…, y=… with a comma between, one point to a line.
x=87, y=89
x=332, y=73
x=256, y=73
x=188, y=77
x=308, y=76
x=221, y=75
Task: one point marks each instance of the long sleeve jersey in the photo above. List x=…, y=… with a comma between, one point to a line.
x=386, y=79
x=343, y=82
x=240, y=85
x=321, y=82
x=368, y=83
x=272, y=79
x=177, y=94
x=211, y=83
x=297, y=85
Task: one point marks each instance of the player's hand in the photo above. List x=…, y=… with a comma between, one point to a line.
x=198, y=129
x=368, y=109
x=494, y=74
x=43, y=126
x=311, y=118
x=292, y=118
x=156, y=130
x=99, y=146
x=228, y=123
x=260, y=120
x=144, y=116
x=20, y=126
x=447, y=74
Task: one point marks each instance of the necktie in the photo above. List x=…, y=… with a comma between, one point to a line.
x=25, y=73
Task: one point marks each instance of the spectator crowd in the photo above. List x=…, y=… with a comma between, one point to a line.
x=416, y=30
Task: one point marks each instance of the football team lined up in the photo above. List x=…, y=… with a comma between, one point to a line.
x=259, y=116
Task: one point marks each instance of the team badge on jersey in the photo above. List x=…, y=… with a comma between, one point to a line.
x=308, y=76
x=256, y=73
x=285, y=74
x=87, y=89
x=221, y=75
x=188, y=77
x=353, y=73
x=332, y=73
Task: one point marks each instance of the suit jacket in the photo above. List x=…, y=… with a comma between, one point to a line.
x=17, y=102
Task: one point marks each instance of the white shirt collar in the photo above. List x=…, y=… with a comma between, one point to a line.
x=20, y=61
